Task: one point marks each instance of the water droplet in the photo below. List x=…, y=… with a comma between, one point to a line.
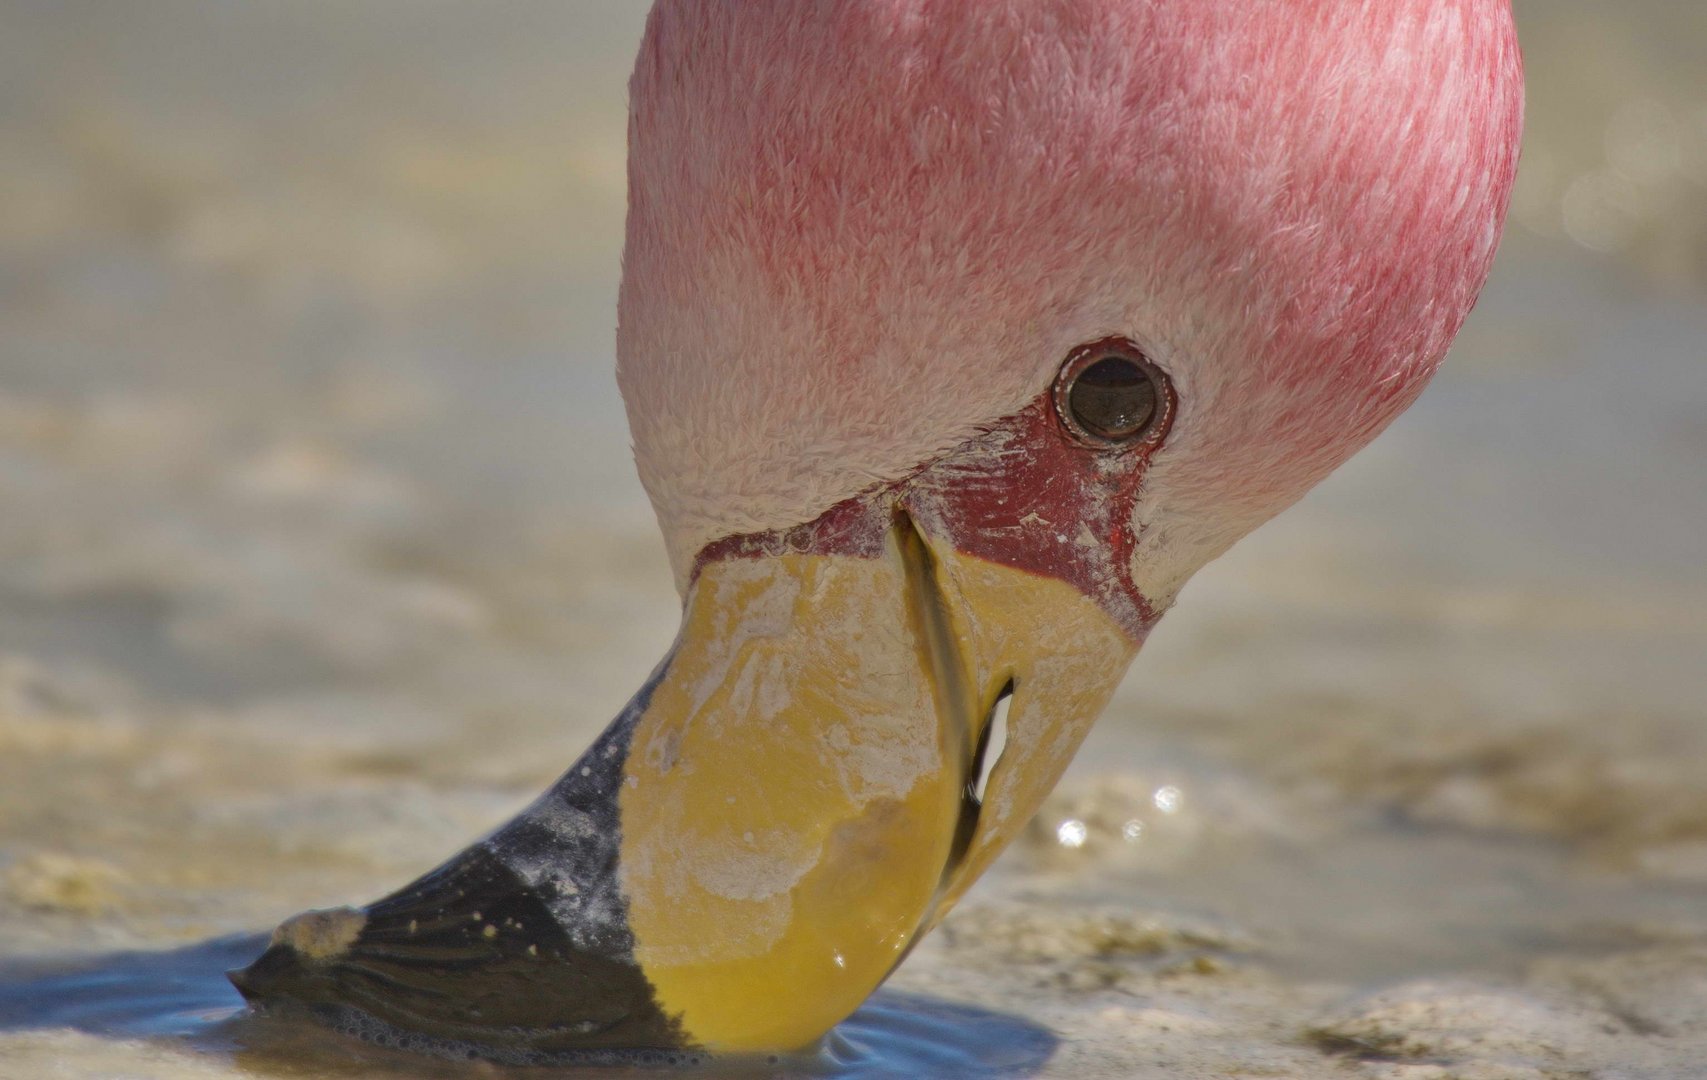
x=1167, y=799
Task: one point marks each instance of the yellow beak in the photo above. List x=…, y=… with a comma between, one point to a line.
x=798, y=804
x=798, y=794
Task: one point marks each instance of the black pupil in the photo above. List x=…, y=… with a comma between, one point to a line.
x=1113, y=398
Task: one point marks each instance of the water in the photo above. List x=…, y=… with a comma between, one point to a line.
x=182, y=997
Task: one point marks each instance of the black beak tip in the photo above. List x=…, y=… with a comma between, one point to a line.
x=277, y=975
x=299, y=957
x=239, y=977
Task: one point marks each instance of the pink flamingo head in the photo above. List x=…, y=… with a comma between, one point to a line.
x=861, y=232
x=955, y=336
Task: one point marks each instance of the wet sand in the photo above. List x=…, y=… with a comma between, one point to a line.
x=320, y=554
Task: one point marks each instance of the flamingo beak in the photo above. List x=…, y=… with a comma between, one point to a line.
x=807, y=784
x=815, y=782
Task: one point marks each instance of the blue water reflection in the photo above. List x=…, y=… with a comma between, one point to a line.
x=181, y=996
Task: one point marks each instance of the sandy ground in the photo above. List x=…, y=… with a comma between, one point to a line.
x=320, y=554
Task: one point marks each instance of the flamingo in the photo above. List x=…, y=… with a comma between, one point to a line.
x=954, y=338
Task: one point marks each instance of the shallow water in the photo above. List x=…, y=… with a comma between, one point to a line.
x=182, y=996
x=321, y=554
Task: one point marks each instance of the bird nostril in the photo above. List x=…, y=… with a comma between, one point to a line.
x=991, y=743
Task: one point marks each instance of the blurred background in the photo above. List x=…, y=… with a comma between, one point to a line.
x=321, y=552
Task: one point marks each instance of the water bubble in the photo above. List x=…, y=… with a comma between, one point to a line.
x=1167, y=799
x=1071, y=833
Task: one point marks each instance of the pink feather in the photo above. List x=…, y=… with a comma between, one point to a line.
x=861, y=230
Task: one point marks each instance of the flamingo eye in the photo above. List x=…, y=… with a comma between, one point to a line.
x=1109, y=394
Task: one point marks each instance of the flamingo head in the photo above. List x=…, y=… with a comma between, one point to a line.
x=1018, y=314
x=954, y=339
